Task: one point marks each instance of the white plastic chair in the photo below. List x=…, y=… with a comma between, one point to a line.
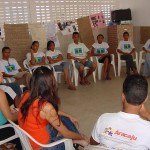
x=141, y=60
x=26, y=65
x=76, y=73
x=123, y=61
x=10, y=138
x=57, y=74
x=100, y=65
x=23, y=135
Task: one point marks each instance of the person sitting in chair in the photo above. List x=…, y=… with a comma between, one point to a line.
x=125, y=129
x=102, y=51
x=81, y=54
x=127, y=49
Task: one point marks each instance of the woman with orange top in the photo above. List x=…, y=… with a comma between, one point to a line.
x=39, y=113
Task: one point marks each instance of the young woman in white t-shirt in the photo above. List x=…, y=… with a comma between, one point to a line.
x=102, y=51
x=55, y=59
x=35, y=57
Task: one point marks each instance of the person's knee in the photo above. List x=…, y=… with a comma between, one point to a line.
x=81, y=68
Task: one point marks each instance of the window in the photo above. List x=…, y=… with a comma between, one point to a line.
x=23, y=11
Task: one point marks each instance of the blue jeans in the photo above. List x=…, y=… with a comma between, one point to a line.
x=53, y=133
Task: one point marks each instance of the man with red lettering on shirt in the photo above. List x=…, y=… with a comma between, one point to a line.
x=125, y=130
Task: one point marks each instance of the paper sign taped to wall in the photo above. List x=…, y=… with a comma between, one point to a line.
x=97, y=20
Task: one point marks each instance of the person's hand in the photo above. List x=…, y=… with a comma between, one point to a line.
x=74, y=120
x=31, y=51
x=17, y=78
x=83, y=61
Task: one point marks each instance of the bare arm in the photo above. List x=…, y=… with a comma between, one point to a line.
x=7, y=75
x=133, y=50
x=120, y=51
x=4, y=107
x=71, y=57
x=93, y=142
x=145, y=50
x=49, y=113
x=52, y=61
x=144, y=112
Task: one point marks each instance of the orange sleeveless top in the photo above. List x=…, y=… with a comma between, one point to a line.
x=34, y=124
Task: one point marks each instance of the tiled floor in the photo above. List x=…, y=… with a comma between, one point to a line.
x=89, y=102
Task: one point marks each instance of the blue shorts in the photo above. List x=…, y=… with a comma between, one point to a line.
x=88, y=64
x=64, y=65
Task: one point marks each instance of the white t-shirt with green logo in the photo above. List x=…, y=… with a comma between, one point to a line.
x=100, y=48
x=9, y=66
x=78, y=50
x=126, y=46
x=122, y=131
x=147, y=45
x=53, y=54
x=37, y=57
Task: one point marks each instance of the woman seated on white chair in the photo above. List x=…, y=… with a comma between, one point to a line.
x=39, y=113
x=127, y=49
x=7, y=113
x=146, y=49
x=102, y=51
x=35, y=58
x=55, y=59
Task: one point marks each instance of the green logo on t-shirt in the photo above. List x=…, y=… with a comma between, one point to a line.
x=10, y=68
x=54, y=57
x=127, y=46
x=38, y=60
x=100, y=50
x=78, y=51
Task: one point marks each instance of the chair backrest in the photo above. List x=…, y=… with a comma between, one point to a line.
x=26, y=65
x=23, y=135
x=9, y=138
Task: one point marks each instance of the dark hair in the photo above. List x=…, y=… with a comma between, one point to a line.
x=135, y=89
x=4, y=48
x=74, y=33
x=126, y=33
x=43, y=86
x=101, y=36
x=49, y=43
x=34, y=42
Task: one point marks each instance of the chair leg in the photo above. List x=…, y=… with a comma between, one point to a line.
x=99, y=72
x=75, y=77
x=59, y=78
x=119, y=68
x=114, y=68
x=139, y=68
x=94, y=76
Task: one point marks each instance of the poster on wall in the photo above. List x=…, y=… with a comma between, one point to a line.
x=68, y=27
x=2, y=37
x=51, y=33
x=97, y=20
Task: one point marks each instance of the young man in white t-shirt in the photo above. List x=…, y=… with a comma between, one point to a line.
x=10, y=67
x=146, y=49
x=127, y=49
x=35, y=58
x=55, y=59
x=102, y=51
x=125, y=130
x=81, y=54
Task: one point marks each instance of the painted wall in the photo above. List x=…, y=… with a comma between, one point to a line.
x=140, y=11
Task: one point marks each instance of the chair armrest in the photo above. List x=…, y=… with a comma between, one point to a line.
x=72, y=61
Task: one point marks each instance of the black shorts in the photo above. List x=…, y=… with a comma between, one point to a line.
x=103, y=59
